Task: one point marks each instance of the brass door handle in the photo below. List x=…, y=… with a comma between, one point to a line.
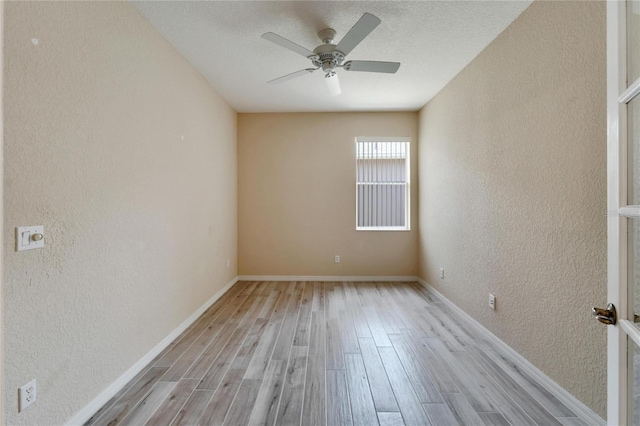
x=606, y=316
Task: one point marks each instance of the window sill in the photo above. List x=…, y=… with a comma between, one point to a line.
x=382, y=228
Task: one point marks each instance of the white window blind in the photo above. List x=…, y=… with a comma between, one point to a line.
x=382, y=184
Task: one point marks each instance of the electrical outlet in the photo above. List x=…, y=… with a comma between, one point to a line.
x=228, y=263
x=442, y=273
x=337, y=259
x=492, y=302
x=27, y=395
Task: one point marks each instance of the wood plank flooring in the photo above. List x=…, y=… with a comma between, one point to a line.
x=314, y=353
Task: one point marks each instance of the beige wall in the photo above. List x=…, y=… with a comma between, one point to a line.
x=513, y=191
x=296, y=196
x=139, y=221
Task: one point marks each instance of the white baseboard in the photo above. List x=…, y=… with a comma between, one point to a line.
x=85, y=414
x=358, y=278
x=558, y=391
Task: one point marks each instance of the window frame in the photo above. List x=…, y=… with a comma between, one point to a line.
x=402, y=139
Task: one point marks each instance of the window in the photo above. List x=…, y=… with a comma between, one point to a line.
x=382, y=184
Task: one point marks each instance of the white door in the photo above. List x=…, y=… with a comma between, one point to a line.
x=623, y=199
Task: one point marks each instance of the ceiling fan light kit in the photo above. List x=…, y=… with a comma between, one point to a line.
x=333, y=84
x=329, y=56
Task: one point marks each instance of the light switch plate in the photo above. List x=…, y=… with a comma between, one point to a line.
x=25, y=237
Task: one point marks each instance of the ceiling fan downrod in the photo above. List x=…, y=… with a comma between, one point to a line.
x=326, y=55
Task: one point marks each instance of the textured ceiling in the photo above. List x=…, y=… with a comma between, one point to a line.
x=433, y=40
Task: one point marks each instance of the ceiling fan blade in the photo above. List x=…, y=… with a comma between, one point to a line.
x=333, y=83
x=357, y=33
x=287, y=44
x=372, y=66
x=291, y=76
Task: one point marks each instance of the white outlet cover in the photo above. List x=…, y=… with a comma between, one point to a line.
x=337, y=259
x=492, y=301
x=27, y=395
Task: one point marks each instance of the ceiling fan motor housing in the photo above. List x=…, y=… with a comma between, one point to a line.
x=327, y=56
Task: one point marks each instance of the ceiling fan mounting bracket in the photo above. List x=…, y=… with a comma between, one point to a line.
x=327, y=35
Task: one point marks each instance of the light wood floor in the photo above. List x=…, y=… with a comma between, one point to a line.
x=332, y=354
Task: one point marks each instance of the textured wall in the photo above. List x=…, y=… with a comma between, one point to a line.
x=513, y=191
x=296, y=196
x=128, y=158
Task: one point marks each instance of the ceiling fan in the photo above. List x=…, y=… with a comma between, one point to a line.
x=329, y=56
